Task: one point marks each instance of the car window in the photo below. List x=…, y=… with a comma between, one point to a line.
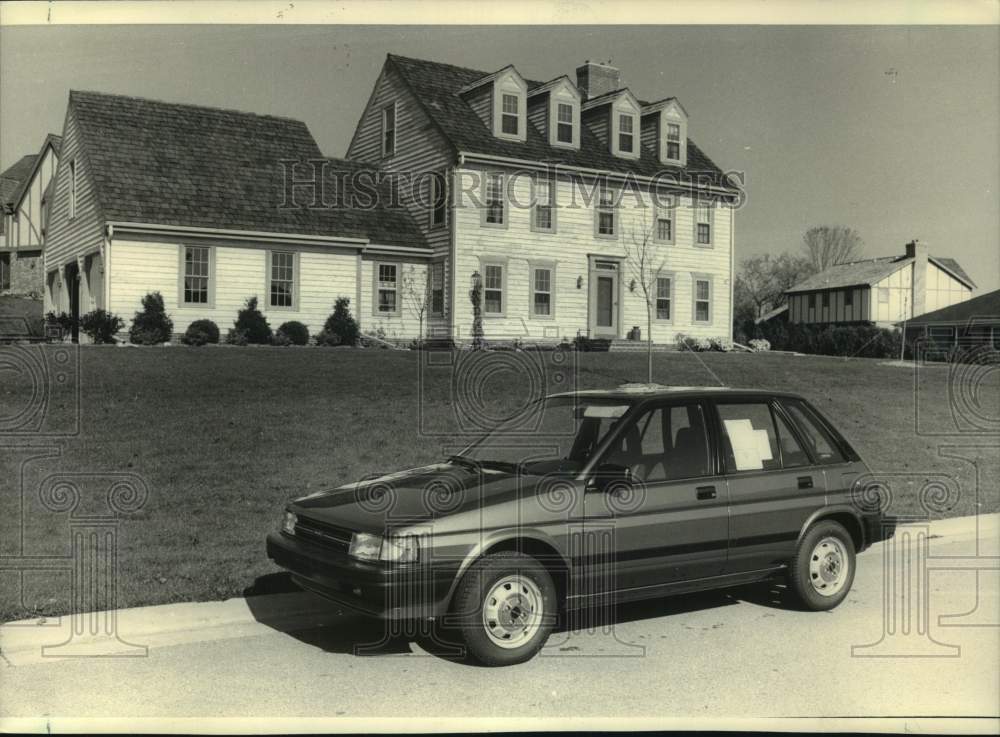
x=822, y=445
x=793, y=454
x=665, y=444
x=749, y=439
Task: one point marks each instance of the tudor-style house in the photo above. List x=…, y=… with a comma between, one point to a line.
x=190, y=202
x=884, y=290
x=25, y=194
x=538, y=189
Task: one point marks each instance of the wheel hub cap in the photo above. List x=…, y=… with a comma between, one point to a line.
x=512, y=611
x=828, y=566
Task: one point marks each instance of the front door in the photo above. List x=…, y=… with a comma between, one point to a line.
x=604, y=297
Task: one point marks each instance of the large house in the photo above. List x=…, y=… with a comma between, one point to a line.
x=883, y=290
x=25, y=218
x=535, y=191
x=540, y=188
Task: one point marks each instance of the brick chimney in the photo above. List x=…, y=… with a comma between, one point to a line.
x=595, y=79
x=918, y=252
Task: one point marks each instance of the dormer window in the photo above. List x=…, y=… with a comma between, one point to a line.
x=564, y=123
x=510, y=117
x=626, y=133
x=562, y=114
x=673, y=141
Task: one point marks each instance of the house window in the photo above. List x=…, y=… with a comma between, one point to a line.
x=4, y=271
x=282, y=279
x=665, y=226
x=510, y=115
x=849, y=298
x=541, y=292
x=883, y=295
x=626, y=133
x=702, y=300
x=826, y=299
x=493, y=289
x=389, y=130
x=197, y=272
x=437, y=289
x=439, y=200
x=704, y=225
x=388, y=288
x=494, y=200
x=605, y=210
x=543, y=218
x=564, y=123
x=72, y=189
x=673, y=141
x=812, y=301
x=664, y=286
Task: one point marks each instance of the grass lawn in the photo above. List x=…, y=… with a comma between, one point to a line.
x=20, y=315
x=224, y=436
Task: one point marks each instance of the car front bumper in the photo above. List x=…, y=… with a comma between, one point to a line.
x=386, y=591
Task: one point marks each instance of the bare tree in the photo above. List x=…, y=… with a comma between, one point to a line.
x=417, y=294
x=645, y=264
x=763, y=281
x=826, y=245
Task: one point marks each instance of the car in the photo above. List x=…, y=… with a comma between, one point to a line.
x=590, y=499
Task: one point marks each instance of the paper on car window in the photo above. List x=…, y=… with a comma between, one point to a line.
x=750, y=447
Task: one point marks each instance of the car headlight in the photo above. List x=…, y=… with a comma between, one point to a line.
x=288, y=524
x=365, y=546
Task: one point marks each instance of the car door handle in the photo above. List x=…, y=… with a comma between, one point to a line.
x=805, y=482
x=706, y=492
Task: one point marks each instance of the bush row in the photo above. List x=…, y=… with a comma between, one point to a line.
x=865, y=341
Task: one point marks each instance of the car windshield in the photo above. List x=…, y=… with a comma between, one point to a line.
x=557, y=435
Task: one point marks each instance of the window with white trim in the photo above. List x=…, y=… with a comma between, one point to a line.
x=702, y=300
x=495, y=209
x=703, y=225
x=388, y=288
x=493, y=289
x=564, y=123
x=664, y=226
x=197, y=272
x=282, y=285
x=510, y=115
x=626, y=133
x=542, y=218
x=437, y=289
x=605, y=210
x=674, y=141
x=541, y=291
x=439, y=200
x=389, y=129
x=664, y=297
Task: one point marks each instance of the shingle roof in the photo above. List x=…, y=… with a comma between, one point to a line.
x=868, y=272
x=985, y=307
x=10, y=182
x=163, y=163
x=435, y=85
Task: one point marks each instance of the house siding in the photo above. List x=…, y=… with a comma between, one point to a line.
x=943, y=290
x=405, y=323
x=139, y=267
x=571, y=248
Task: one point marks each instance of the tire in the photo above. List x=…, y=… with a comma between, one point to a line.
x=822, y=571
x=504, y=608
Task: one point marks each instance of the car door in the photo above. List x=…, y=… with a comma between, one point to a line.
x=671, y=524
x=774, y=485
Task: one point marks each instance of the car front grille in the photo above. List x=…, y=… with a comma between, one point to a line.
x=329, y=536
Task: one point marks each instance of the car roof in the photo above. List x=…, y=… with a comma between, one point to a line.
x=643, y=392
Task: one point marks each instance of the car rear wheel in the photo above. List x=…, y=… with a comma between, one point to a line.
x=505, y=607
x=823, y=569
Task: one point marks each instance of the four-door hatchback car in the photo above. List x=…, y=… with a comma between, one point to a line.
x=590, y=499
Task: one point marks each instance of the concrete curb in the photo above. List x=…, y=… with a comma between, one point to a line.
x=132, y=632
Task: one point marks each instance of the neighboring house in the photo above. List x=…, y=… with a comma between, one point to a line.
x=883, y=291
x=969, y=324
x=535, y=187
x=190, y=201
x=25, y=218
x=10, y=182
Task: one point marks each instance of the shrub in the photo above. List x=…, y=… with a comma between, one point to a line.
x=64, y=320
x=236, y=337
x=201, y=332
x=295, y=332
x=759, y=345
x=151, y=325
x=101, y=325
x=340, y=328
x=865, y=341
x=252, y=322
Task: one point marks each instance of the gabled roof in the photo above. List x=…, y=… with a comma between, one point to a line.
x=869, y=272
x=172, y=164
x=50, y=140
x=13, y=175
x=551, y=84
x=434, y=85
x=608, y=97
x=985, y=307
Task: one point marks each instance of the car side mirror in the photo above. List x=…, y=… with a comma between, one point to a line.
x=610, y=476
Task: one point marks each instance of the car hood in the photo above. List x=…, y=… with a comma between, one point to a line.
x=412, y=496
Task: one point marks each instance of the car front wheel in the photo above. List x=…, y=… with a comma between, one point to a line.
x=505, y=608
x=823, y=569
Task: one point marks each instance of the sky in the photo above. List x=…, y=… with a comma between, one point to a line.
x=893, y=131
